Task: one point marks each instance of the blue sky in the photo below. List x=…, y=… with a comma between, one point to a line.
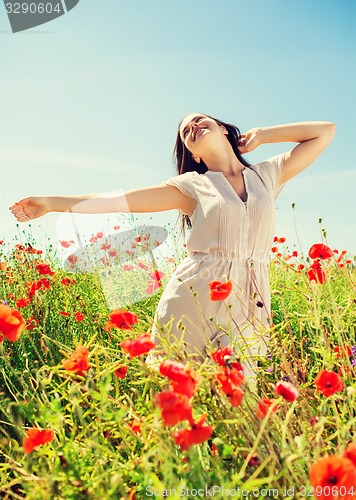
x=91, y=103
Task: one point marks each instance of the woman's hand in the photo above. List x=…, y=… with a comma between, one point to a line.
x=249, y=141
x=30, y=208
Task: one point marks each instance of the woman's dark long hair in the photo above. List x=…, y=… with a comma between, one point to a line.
x=185, y=163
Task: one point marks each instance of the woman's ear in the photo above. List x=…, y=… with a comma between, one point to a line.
x=224, y=131
x=196, y=159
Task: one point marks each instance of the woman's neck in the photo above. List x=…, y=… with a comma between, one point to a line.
x=225, y=162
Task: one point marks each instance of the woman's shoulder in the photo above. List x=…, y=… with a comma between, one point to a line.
x=275, y=160
x=193, y=174
x=270, y=170
x=192, y=177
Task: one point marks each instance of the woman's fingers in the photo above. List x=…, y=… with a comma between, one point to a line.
x=22, y=217
x=19, y=212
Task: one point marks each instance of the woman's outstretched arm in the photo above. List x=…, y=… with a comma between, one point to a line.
x=151, y=199
x=313, y=137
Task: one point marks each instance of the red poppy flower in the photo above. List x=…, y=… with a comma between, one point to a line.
x=121, y=319
x=235, y=366
x=320, y=251
x=313, y=421
x=142, y=265
x=12, y=323
x=66, y=244
x=219, y=290
x=31, y=323
x=183, y=380
x=141, y=345
x=316, y=273
x=175, y=407
x=105, y=246
x=30, y=249
x=236, y=396
x=100, y=234
x=79, y=316
x=329, y=383
x=287, y=390
x=43, y=284
x=198, y=433
x=35, y=437
x=254, y=460
x=63, y=313
x=173, y=370
x=135, y=426
x=105, y=261
x=68, y=281
x=334, y=478
x=188, y=388
x=214, y=450
x=33, y=286
x=350, y=453
x=263, y=407
x=230, y=378
x=128, y=267
x=220, y=355
x=343, y=351
x=121, y=372
x=279, y=240
x=152, y=285
x=78, y=362
x=156, y=275
x=44, y=269
x=23, y=302
x=72, y=259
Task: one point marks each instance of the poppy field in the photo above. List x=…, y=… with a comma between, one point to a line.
x=83, y=416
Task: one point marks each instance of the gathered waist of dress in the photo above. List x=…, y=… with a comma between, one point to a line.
x=231, y=254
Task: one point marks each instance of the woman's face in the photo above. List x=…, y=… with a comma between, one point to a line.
x=196, y=129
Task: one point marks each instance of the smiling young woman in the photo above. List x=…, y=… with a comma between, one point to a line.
x=228, y=204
